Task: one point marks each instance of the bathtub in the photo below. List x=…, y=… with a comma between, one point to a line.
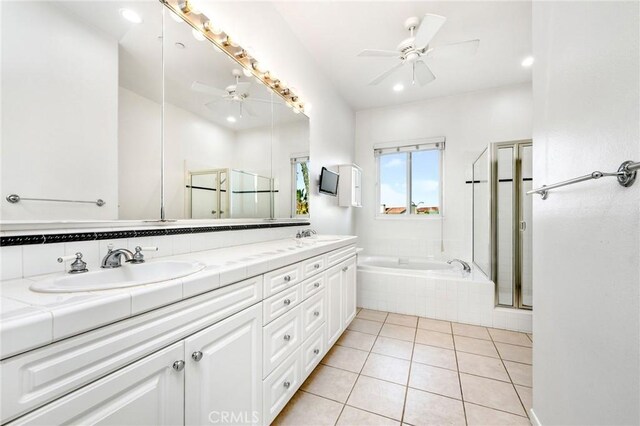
x=433, y=289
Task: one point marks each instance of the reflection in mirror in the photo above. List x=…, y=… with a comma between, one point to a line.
x=230, y=143
x=482, y=214
x=75, y=76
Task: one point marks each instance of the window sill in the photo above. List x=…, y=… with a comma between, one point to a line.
x=408, y=217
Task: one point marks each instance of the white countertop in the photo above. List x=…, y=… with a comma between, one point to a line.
x=30, y=319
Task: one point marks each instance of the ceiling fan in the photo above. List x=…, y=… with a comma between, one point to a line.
x=237, y=93
x=413, y=50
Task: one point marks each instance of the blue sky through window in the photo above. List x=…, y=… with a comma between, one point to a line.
x=425, y=178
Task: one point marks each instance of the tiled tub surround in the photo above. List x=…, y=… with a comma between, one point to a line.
x=28, y=253
x=30, y=319
x=443, y=295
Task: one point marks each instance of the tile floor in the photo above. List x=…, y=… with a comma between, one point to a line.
x=391, y=369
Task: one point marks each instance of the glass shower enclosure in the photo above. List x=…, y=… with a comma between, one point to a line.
x=502, y=175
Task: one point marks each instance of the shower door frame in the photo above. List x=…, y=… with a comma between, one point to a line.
x=517, y=146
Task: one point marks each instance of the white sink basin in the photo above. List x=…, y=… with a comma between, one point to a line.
x=128, y=275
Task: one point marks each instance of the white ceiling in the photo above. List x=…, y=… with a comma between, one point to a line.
x=334, y=32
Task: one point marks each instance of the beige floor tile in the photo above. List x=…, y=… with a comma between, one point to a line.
x=514, y=353
x=521, y=374
x=511, y=337
x=439, y=357
x=356, y=340
x=433, y=379
x=482, y=366
x=393, y=347
x=434, y=338
x=405, y=320
x=354, y=417
x=475, y=346
x=369, y=314
x=307, y=409
x=482, y=416
x=491, y=393
x=398, y=332
x=345, y=358
x=474, y=331
x=365, y=326
x=424, y=408
x=387, y=368
x=378, y=396
x=434, y=325
x=329, y=382
x=526, y=396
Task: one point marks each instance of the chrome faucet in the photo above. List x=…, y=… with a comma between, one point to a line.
x=113, y=259
x=464, y=264
x=306, y=233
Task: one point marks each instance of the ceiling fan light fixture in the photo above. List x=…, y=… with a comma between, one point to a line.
x=399, y=87
x=528, y=61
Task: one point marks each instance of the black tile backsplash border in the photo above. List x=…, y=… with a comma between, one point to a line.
x=22, y=240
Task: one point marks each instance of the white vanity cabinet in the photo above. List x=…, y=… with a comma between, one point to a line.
x=341, y=287
x=350, y=186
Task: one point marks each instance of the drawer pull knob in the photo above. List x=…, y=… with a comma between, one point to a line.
x=287, y=337
x=287, y=302
x=316, y=266
x=345, y=269
x=196, y=356
x=178, y=365
x=316, y=351
x=286, y=384
x=316, y=313
x=287, y=278
x=316, y=285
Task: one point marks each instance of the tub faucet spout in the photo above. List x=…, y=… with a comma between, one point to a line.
x=464, y=264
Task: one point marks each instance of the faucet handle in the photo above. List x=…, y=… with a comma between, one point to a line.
x=78, y=266
x=138, y=257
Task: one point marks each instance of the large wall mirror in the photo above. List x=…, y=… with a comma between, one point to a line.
x=140, y=111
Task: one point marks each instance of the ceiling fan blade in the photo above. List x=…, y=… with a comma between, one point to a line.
x=205, y=88
x=242, y=88
x=423, y=73
x=386, y=74
x=379, y=53
x=462, y=48
x=429, y=26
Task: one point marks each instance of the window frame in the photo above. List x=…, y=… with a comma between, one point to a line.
x=408, y=147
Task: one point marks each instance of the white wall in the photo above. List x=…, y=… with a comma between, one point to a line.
x=258, y=24
x=469, y=122
x=59, y=114
x=586, y=238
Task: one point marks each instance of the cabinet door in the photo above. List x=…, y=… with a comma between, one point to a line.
x=334, y=304
x=147, y=392
x=224, y=371
x=348, y=269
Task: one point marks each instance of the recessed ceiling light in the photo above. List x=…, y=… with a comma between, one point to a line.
x=130, y=16
x=197, y=35
x=398, y=87
x=528, y=61
x=231, y=119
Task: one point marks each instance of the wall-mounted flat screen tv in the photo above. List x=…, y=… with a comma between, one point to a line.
x=329, y=182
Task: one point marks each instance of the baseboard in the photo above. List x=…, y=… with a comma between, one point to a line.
x=534, y=418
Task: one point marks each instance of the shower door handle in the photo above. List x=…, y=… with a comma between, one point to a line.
x=523, y=226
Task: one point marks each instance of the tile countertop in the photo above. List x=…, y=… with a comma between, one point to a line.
x=31, y=319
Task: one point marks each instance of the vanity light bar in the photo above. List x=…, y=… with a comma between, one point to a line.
x=184, y=9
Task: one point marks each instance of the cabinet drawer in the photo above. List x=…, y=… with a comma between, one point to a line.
x=313, y=349
x=281, y=338
x=314, y=265
x=280, y=386
x=281, y=279
x=149, y=390
x=313, y=285
x=281, y=303
x=37, y=377
x=341, y=254
x=313, y=314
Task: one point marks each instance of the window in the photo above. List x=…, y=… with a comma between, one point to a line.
x=410, y=179
x=300, y=187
